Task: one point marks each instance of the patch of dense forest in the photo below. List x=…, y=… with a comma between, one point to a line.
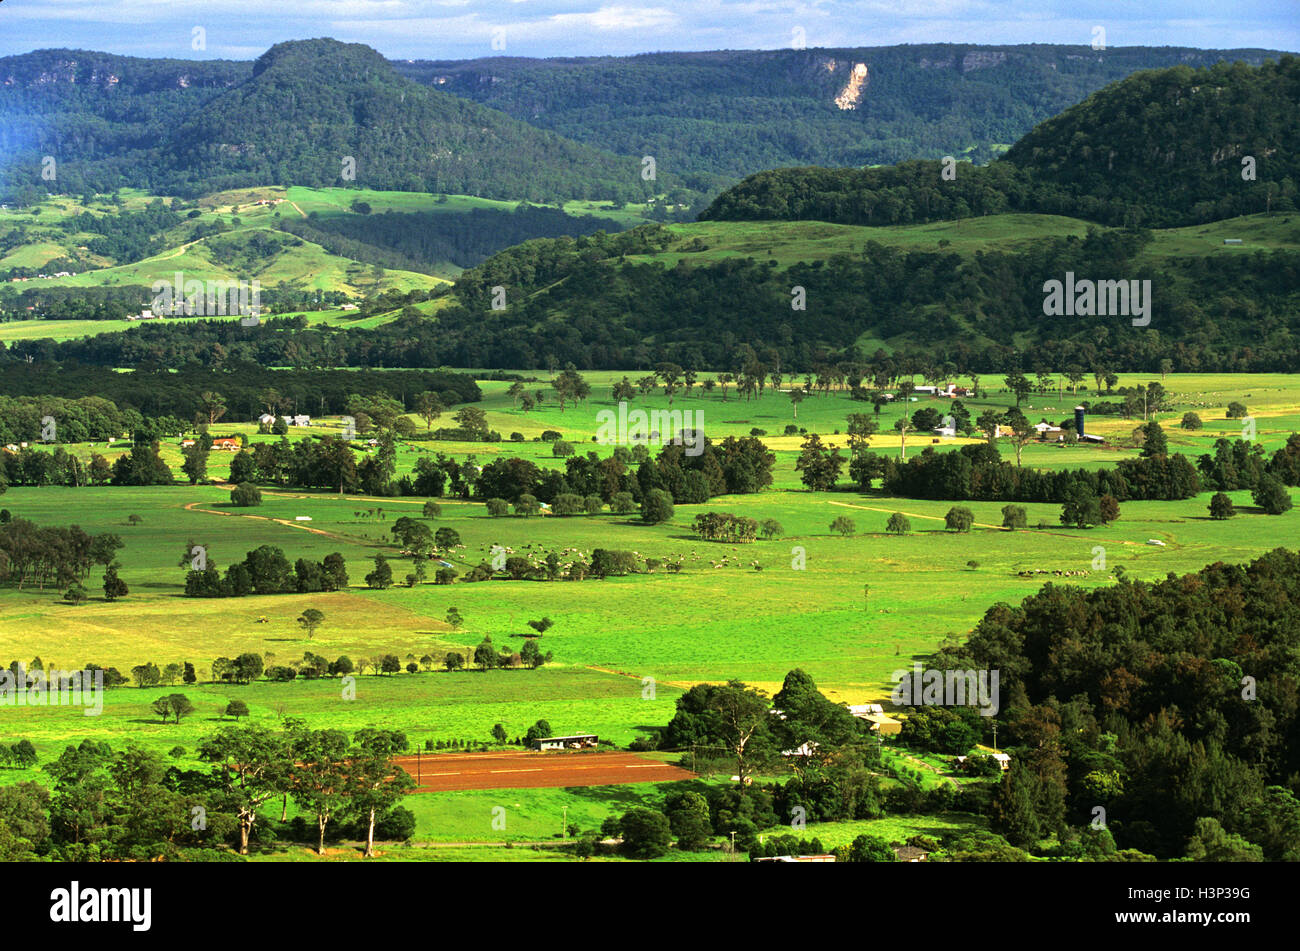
x=1161, y=148
x=1165, y=703
x=425, y=239
x=243, y=391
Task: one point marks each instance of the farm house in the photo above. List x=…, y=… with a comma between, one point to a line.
x=578, y=741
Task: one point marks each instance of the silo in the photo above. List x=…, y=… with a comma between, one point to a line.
x=1078, y=421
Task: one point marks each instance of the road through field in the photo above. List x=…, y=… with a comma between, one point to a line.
x=443, y=772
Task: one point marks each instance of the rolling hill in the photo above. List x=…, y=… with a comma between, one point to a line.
x=1161, y=148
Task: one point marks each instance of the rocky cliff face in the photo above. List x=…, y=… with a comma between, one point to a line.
x=851, y=95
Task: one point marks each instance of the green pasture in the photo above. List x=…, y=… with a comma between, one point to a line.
x=848, y=610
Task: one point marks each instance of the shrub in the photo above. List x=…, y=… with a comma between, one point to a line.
x=1108, y=509
x=622, y=503
x=1271, y=495
x=656, y=507
x=1221, y=506
x=497, y=507
x=561, y=448
x=237, y=709
x=566, y=503
x=959, y=519
x=246, y=494
x=1014, y=517
x=646, y=833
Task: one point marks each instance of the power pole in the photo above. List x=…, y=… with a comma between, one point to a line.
x=564, y=832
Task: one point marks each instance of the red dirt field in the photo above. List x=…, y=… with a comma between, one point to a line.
x=442, y=772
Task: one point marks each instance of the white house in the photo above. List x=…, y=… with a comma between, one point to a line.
x=298, y=420
x=863, y=710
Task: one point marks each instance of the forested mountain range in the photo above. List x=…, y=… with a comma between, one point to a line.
x=191, y=127
x=711, y=118
x=1161, y=148
x=293, y=117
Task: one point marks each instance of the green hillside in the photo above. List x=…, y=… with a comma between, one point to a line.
x=1161, y=148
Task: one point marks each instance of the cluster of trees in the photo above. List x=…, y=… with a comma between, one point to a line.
x=725, y=527
x=81, y=419
x=204, y=386
x=978, y=472
x=1241, y=464
x=487, y=656
x=126, y=236
x=427, y=241
x=733, y=466
x=52, y=556
x=101, y=804
x=265, y=570
x=18, y=755
x=569, y=564
x=833, y=762
x=1166, y=703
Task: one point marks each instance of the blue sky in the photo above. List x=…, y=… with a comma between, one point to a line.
x=463, y=29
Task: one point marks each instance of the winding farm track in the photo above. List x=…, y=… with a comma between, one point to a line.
x=444, y=772
x=196, y=507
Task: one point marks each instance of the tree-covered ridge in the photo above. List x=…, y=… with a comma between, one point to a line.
x=100, y=115
x=311, y=105
x=712, y=117
x=708, y=118
x=593, y=302
x=293, y=118
x=586, y=302
x=1158, y=149
x=1166, y=147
